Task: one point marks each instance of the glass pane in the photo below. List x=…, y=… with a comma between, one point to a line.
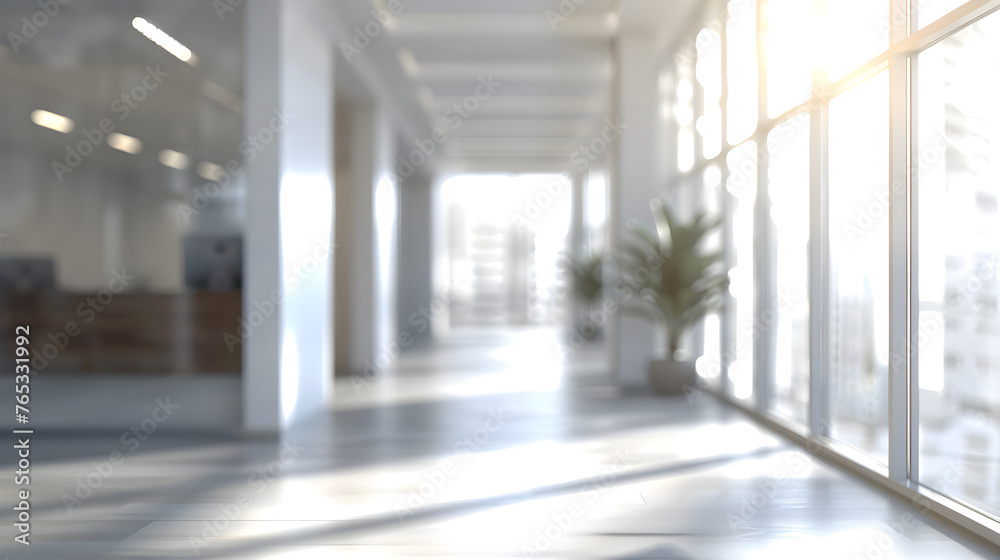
x=708, y=72
x=929, y=11
x=866, y=22
x=684, y=113
x=708, y=362
x=122, y=174
x=859, y=266
x=958, y=245
x=788, y=190
x=742, y=185
x=741, y=62
x=789, y=60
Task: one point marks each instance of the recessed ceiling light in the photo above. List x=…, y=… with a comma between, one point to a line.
x=210, y=171
x=124, y=143
x=171, y=45
x=170, y=158
x=52, y=120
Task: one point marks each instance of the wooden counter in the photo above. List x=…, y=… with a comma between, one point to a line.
x=132, y=334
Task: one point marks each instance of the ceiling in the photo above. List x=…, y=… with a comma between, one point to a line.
x=552, y=58
x=553, y=75
x=87, y=55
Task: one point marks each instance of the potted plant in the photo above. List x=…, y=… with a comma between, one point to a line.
x=678, y=282
x=586, y=278
x=586, y=283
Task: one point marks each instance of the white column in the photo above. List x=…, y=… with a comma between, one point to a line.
x=360, y=242
x=287, y=297
x=373, y=243
x=386, y=191
x=634, y=183
x=414, y=275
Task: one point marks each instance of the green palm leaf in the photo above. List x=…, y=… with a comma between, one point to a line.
x=680, y=283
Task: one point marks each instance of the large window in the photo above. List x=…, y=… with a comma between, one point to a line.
x=789, y=41
x=708, y=365
x=741, y=70
x=859, y=265
x=928, y=11
x=684, y=117
x=788, y=191
x=742, y=185
x=708, y=72
x=867, y=272
x=866, y=22
x=958, y=233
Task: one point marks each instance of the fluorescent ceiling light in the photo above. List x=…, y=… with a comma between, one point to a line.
x=210, y=171
x=173, y=159
x=52, y=120
x=171, y=45
x=124, y=143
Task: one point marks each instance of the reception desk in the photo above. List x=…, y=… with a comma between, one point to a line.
x=128, y=333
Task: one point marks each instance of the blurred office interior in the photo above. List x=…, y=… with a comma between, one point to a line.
x=355, y=223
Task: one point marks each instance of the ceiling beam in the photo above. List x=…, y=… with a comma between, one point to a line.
x=579, y=25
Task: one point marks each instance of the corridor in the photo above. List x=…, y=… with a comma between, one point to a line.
x=490, y=444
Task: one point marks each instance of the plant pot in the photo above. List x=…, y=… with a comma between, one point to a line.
x=670, y=377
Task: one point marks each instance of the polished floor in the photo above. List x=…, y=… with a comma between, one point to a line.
x=490, y=445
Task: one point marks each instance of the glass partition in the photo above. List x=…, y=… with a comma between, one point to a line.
x=121, y=195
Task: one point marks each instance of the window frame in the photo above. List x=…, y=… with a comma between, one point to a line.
x=906, y=42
